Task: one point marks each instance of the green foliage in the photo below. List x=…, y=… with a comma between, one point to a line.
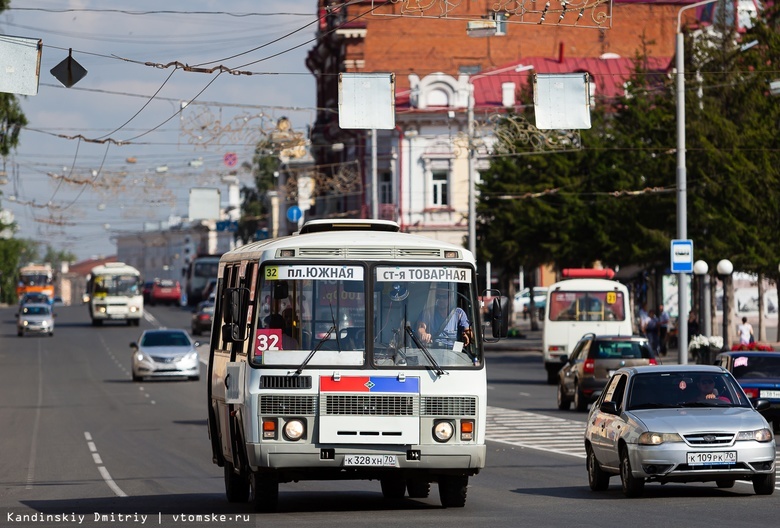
x=12, y=252
x=615, y=201
x=255, y=206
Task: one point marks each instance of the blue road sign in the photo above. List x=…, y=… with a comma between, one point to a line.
x=682, y=256
x=294, y=213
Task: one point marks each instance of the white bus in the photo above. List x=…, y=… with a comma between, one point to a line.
x=320, y=368
x=579, y=306
x=114, y=292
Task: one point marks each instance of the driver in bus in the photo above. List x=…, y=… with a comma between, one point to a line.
x=442, y=325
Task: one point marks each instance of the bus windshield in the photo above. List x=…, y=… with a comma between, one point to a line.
x=117, y=285
x=320, y=309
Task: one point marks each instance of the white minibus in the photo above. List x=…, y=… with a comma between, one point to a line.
x=579, y=306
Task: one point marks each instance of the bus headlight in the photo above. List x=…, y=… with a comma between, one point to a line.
x=442, y=430
x=294, y=429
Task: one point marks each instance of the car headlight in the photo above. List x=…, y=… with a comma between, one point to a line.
x=140, y=356
x=443, y=430
x=25, y=323
x=759, y=435
x=651, y=438
x=293, y=429
x=192, y=356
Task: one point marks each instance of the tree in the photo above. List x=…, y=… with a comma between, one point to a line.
x=255, y=207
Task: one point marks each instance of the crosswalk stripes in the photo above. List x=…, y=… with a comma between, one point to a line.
x=536, y=431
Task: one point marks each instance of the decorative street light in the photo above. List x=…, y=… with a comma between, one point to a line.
x=701, y=269
x=725, y=269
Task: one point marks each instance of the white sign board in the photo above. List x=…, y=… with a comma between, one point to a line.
x=682, y=256
x=20, y=65
x=367, y=101
x=204, y=204
x=562, y=101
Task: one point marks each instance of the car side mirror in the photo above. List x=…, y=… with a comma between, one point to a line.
x=609, y=407
x=134, y=345
x=761, y=405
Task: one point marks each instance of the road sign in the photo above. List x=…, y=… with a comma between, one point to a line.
x=682, y=256
x=230, y=159
x=294, y=213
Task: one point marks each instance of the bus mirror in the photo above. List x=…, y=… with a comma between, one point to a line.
x=236, y=306
x=500, y=316
x=280, y=290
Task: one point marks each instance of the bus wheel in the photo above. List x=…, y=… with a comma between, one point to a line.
x=418, y=489
x=452, y=491
x=236, y=486
x=265, y=492
x=393, y=488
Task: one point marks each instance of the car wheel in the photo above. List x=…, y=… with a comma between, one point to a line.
x=136, y=377
x=393, y=488
x=452, y=491
x=563, y=402
x=20, y=333
x=598, y=479
x=580, y=402
x=724, y=483
x=764, y=484
x=418, y=489
x=264, y=491
x=632, y=486
x=236, y=486
x=552, y=376
x=194, y=378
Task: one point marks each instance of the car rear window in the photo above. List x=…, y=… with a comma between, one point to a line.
x=756, y=367
x=619, y=350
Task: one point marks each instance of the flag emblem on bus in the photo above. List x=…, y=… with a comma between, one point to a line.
x=373, y=384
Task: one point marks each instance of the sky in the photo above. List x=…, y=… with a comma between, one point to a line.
x=119, y=151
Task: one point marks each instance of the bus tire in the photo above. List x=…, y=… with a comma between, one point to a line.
x=452, y=491
x=264, y=491
x=418, y=489
x=393, y=487
x=236, y=486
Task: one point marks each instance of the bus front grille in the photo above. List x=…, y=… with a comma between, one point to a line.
x=271, y=404
x=364, y=405
x=448, y=406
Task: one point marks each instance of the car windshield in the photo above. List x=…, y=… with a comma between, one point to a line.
x=36, y=310
x=165, y=339
x=685, y=389
x=756, y=367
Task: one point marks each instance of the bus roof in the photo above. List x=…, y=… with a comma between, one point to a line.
x=587, y=285
x=349, y=224
x=357, y=244
x=114, y=267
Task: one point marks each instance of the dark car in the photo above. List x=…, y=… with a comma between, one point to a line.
x=594, y=359
x=165, y=291
x=202, y=318
x=758, y=373
x=147, y=290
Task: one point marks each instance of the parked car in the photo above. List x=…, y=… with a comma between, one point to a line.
x=677, y=423
x=165, y=291
x=758, y=373
x=594, y=359
x=146, y=290
x=202, y=318
x=165, y=353
x=35, y=318
x=522, y=299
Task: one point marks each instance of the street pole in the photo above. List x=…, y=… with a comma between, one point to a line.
x=374, y=177
x=682, y=207
x=472, y=189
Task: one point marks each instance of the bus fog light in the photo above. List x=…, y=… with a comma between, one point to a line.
x=269, y=429
x=442, y=430
x=294, y=429
x=467, y=430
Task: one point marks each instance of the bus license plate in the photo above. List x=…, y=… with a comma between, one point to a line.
x=709, y=459
x=370, y=460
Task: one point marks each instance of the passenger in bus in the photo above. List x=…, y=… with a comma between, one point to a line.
x=276, y=321
x=443, y=326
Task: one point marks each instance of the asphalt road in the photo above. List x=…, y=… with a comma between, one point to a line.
x=82, y=445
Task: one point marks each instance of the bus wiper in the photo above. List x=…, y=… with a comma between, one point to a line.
x=315, y=349
x=436, y=368
x=321, y=341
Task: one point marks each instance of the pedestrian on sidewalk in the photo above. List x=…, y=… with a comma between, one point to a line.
x=663, y=329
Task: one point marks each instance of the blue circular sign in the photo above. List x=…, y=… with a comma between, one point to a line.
x=294, y=213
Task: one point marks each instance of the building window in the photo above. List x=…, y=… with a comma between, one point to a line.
x=440, y=188
x=385, y=188
x=500, y=19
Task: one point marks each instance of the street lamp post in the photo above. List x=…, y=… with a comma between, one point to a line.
x=725, y=269
x=701, y=269
x=682, y=207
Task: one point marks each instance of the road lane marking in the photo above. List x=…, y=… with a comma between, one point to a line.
x=36, y=424
x=101, y=468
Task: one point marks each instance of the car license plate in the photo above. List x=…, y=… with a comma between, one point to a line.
x=370, y=460
x=770, y=394
x=712, y=458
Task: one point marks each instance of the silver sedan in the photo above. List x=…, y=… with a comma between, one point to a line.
x=165, y=353
x=678, y=423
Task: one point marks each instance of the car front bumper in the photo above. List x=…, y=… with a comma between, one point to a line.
x=668, y=462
